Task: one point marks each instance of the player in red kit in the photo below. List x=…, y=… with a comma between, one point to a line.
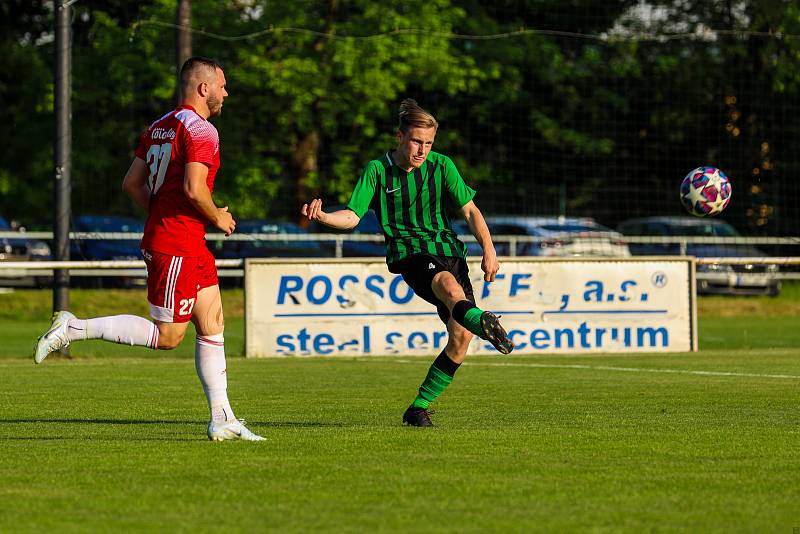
x=172, y=178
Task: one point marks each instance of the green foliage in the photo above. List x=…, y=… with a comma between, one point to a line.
x=25, y=161
x=556, y=122
x=328, y=104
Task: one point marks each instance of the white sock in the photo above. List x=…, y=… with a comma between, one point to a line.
x=209, y=360
x=122, y=329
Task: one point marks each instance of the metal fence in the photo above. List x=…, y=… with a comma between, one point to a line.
x=776, y=258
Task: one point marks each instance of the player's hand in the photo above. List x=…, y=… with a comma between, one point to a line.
x=313, y=210
x=225, y=221
x=490, y=265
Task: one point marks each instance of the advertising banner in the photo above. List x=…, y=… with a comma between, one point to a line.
x=357, y=307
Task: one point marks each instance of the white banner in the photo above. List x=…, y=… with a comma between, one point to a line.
x=357, y=307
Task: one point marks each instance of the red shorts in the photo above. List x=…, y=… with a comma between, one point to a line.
x=173, y=283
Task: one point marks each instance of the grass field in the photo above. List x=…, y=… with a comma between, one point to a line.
x=114, y=438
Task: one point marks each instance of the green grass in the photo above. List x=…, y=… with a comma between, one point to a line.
x=114, y=439
x=118, y=444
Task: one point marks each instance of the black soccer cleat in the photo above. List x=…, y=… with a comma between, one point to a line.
x=415, y=416
x=494, y=333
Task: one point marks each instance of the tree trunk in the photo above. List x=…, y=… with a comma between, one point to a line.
x=305, y=162
x=183, y=35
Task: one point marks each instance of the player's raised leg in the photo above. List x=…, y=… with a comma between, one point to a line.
x=211, y=368
x=483, y=324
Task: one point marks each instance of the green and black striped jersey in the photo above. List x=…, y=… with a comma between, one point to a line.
x=412, y=207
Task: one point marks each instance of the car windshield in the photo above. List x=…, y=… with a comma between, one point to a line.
x=109, y=224
x=258, y=226
x=705, y=229
x=263, y=227
x=506, y=229
x=572, y=228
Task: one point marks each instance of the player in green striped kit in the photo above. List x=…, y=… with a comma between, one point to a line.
x=410, y=189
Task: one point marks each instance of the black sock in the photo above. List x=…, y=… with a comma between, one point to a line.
x=468, y=315
x=439, y=376
x=445, y=364
x=460, y=310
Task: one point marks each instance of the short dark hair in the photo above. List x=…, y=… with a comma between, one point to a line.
x=195, y=63
x=413, y=116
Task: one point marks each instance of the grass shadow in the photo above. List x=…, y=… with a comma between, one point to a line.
x=74, y=421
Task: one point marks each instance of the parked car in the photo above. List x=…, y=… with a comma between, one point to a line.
x=368, y=225
x=21, y=248
x=262, y=248
x=106, y=249
x=749, y=279
x=226, y=248
x=559, y=236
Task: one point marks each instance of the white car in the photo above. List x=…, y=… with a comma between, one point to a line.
x=715, y=278
x=554, y=236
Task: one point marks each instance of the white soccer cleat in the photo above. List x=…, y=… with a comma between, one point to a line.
x=55, y=338
x=231, y=430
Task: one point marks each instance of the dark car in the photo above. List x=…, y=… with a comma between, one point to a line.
x=749, y=279
x=18, y=247
x=21, y=248
x=368, y=225
x=106, y=249
x=251, y=243
x=114, y=248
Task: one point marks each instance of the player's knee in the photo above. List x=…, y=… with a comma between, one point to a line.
x=447, y=288
x=168, y=340
x=210, y=328
x=210, y=323
x=219, y=326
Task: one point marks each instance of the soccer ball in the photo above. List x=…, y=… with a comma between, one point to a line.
x=706, y=191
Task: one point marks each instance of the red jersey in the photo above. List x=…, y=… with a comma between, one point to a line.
x=174, y=226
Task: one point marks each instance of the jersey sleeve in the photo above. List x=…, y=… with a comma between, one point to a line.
x=364, y=190
x=141, y=150
x=455, y=185
x=201, y=142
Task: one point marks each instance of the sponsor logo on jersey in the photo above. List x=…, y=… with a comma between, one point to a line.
x=161, y=133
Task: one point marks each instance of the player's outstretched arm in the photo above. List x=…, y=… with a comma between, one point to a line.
x=135, y=183
x=341, y=220
x=477, y=225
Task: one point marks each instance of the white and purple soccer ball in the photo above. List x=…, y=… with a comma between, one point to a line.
x=706, y=192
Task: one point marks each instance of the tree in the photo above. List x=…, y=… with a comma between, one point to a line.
x=533, y=123
x=327, y=97
x=723, y=98
x=580, y=117
x=26, y=153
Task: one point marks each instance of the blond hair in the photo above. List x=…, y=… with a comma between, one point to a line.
x=413, y=116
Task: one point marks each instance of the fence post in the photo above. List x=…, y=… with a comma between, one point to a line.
x=62, y=152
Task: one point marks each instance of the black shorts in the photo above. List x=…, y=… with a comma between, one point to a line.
x=418, y=271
